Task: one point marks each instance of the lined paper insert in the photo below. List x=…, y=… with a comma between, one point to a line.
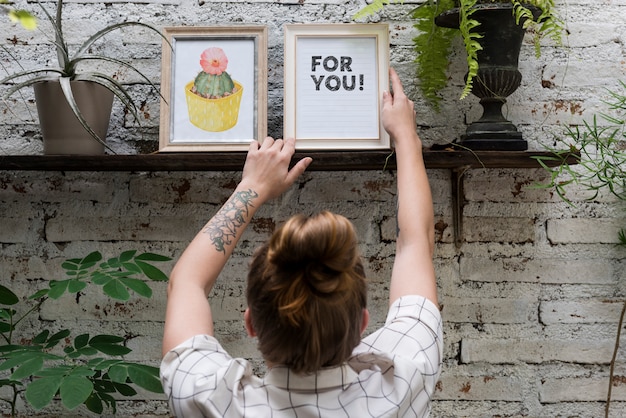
x=336, y=88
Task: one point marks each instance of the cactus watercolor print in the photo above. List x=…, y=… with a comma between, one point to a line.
x=213, y=98
x=214, y=83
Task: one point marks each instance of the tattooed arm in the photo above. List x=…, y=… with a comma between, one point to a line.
x=266, y=175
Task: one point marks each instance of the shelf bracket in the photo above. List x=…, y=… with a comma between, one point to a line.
x=458, y=203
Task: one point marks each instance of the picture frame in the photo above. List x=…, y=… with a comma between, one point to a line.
x=335, y=75
x=199, y=111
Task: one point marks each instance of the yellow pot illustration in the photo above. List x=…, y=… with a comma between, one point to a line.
x=213, y=115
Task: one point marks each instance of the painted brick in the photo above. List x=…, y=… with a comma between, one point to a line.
x=96, y=305
x=63, y=229
x=182, y=188
x=581, y=389
x=553, y=271
x=536, y=351
x=580, y=311
x=492, y=311
x=584, y=230
x=15, y=230
x=484, y=229
x=57, y=187
x=473, y=388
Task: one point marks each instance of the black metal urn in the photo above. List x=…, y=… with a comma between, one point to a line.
x=498, y=75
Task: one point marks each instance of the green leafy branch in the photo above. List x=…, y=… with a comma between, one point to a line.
x=42, y=369
x=594, y=158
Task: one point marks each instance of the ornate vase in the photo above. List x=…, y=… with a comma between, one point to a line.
x=498, y=75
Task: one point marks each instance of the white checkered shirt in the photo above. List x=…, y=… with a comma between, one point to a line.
x=392, y=373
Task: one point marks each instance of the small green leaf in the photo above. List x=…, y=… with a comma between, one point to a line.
x=81, y=341
x=28, y=368
x=5, y=327
x=38, y=294
x=57, y=288
x=106, y=339
x=70, y=264
x=94, y=404
x=152, y=257
x=124, y=389
x=7, y=297
x=118, y=373
x=87, y=351
x=127, y=255
x=19, y=358
x=60, y=335
x=100, y=278
x=75, y=390
x=152, y=272
x=132, y=267
x=104, y=385
x=146, y=377
x=92, y=258
x=109, y=344
x=76, y=286
x=42, y=337
x=138, y=286
x=116, y=290
x=41, y=391
x=102, y=364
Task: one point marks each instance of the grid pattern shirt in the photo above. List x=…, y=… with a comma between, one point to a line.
x=392, y=373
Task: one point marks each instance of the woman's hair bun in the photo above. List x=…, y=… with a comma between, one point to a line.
x=324, y=243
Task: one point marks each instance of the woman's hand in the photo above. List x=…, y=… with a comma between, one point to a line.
x=267, y=167
x=398, y=113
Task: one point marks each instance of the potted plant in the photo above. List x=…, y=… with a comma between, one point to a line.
x=85, y=369
x=492, y=32
x=73, y=102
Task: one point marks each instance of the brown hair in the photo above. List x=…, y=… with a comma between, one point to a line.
x=306, y=293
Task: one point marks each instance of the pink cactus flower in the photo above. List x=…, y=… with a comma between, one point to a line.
x=213, y=61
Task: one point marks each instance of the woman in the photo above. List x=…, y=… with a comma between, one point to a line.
x=307, y=302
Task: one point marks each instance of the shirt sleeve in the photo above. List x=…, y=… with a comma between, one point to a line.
x=199, y=377
x=413, y=330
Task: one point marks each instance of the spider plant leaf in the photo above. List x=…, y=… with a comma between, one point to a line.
x=79, y=57
x=29, y=82
x=93, y=38
x=71, y=101
x=59, y=40
x=27, y=73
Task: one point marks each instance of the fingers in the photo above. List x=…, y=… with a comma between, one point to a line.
x=298, y=169
x=396, y=84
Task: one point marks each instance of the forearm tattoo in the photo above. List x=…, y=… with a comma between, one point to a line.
x=222, y=228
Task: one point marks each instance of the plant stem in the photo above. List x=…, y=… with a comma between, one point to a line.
x=612, y=369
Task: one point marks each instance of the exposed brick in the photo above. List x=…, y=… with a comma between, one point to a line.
x=581, y=389
x=182, y=188
x=487, y=229
x=589, y=311
x=584, y=230
x=123, y=228
x=492, y=388
x=14, y=230
x=492, y=311
x=539, y=270
x=514, y=350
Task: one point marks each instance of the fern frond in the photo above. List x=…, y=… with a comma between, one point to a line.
x=432, y=47
x=470, y=39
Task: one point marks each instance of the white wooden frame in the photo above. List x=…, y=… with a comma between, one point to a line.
x=316, y=80
x=179, y=65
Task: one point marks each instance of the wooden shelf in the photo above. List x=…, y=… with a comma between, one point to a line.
x=223, y=161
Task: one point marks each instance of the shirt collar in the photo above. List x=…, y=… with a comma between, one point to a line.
x=328, y=378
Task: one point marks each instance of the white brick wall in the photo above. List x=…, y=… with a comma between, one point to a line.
x=530, y=299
